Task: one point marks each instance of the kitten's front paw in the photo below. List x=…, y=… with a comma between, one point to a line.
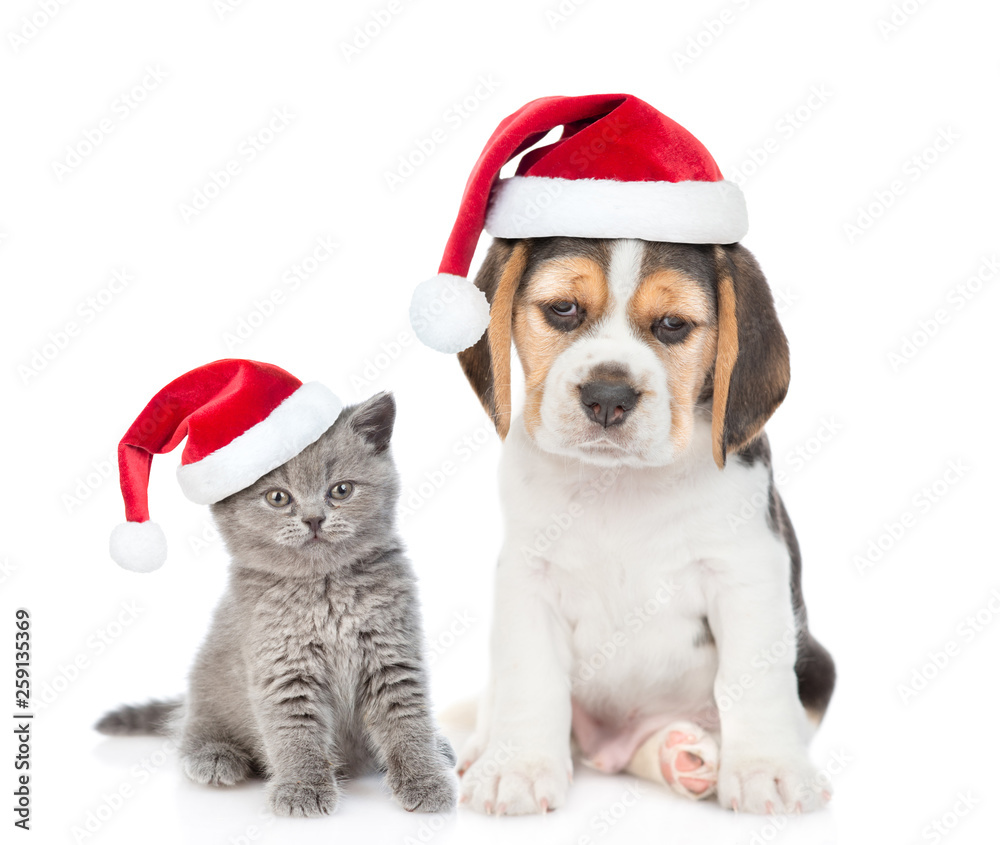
x=295, y=798
x=436, y=792
x=769, y=784
x=445, y=750
x=218, y=764
x=516, y=782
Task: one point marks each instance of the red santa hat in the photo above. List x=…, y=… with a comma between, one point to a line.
x=619, y=170
x=241, y=418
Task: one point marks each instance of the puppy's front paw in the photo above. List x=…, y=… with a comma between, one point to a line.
x=295, y=798
x=770, y=784
x=471, y=751
x=435, y=792
x=513, y=782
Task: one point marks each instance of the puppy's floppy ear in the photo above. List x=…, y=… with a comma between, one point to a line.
x=487, y=363
x=751, y=365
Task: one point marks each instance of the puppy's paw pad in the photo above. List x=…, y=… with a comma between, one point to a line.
x=471, y=751
x=218, y=764
x=430, y=793
x=306, y=800
x=689, y=760
x=514, y=784
x=767, y=785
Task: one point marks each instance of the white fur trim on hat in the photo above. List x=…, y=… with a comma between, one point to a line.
x=673, y=212
x=449, y=313
x=286, y=431
x=138, y=546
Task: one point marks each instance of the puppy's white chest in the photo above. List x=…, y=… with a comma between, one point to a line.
x=626, y=556
x=637, y=615
x=615, y=559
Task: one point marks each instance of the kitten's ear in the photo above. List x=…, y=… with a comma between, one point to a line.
x=374, y=418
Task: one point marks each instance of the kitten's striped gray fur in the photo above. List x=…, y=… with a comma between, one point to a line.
x=313, y=668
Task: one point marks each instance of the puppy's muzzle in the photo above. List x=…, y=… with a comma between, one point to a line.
x=608, y=402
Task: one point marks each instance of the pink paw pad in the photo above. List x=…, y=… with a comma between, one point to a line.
x=689, y=761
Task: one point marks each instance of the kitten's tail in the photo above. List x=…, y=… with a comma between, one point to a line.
x=144, y=719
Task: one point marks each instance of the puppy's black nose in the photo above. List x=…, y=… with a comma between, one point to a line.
x=608, y=402
x=314, y=522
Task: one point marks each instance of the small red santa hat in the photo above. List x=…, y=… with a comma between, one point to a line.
x=241, y=418
x=620, y=170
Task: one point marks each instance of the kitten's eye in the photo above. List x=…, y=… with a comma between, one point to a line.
x=277, y=498
x=341, y=491
x=671, y=329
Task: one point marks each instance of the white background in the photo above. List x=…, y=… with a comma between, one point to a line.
x=849, y=300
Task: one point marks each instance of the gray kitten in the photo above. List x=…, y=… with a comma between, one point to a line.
x=313, y=668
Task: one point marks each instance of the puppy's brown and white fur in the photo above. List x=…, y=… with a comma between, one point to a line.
x=635, y=611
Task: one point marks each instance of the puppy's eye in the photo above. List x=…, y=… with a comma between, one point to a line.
x=671, y=329
x=341, y=491
x=277, y=498
x=563, y=315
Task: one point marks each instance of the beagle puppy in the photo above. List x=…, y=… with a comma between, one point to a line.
x=638, y=620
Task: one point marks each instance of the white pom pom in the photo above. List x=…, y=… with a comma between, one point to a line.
x=138, y=546
x=449, y=313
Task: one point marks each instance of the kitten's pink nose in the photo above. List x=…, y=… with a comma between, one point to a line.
x=314, y=522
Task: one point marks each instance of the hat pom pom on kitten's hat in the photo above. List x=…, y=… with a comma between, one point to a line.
x=241, y=419
x=620, y=169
